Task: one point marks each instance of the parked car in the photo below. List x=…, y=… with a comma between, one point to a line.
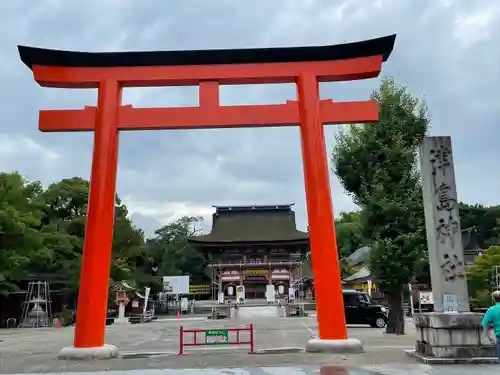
x=360, y=309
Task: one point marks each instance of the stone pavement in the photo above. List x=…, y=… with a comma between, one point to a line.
x=154, y=346
x=310, y=370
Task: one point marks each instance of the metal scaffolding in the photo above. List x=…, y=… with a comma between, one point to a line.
x=37, y=308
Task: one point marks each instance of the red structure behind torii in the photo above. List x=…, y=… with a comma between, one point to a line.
x=110, y=72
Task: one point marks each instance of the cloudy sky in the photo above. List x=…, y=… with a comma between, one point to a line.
x=447, y=51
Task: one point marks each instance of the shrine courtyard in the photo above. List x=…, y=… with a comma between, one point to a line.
x=154, y=346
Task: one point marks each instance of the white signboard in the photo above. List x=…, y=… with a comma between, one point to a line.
x=270, y=293
x=426, y=298
x=450, y=303
x=176, y=284
x=146, y=297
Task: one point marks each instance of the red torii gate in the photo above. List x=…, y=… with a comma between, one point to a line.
x=110, y=72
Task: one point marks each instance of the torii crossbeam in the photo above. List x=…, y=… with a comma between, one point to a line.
x=110, y=72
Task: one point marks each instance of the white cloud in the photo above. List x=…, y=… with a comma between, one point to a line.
x=477, y=25
x=18, y=145
x=165, y=212
x=445, y=50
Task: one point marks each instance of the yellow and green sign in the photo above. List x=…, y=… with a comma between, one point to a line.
x=256, y=272
x=199, y=289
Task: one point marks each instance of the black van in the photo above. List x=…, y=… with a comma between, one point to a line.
x=359, y=309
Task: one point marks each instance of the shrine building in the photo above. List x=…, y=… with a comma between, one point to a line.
x=253, y=247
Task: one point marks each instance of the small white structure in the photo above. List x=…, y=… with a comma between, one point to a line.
x=270, y=293
x=240, y=294
x=221, y=297
x=122, y=290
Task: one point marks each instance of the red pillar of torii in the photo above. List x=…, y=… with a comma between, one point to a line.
x=110, y=72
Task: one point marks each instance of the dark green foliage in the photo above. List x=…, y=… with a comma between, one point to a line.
x=378, y=166
x=349, y=233
x=481, y=275
x=486, y=219
x=41, y=233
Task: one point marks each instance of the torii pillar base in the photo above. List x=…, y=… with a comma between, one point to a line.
x=99, y=352
x=346, y=346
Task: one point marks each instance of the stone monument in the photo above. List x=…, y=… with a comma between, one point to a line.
x=451, y=333
x=442, y=224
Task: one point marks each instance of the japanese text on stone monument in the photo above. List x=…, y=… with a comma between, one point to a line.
x=447, y=228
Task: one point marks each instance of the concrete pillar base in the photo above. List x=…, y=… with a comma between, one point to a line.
x=99, y=352
x=352, y=346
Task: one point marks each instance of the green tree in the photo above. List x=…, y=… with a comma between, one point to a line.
x=485, y=218
x=42, y=233
x=171, y=253
x=66, y=209
x=377, y=165
x=20, y=218
x=65, y=213
x=349, y=233
x=130, y=253
x=480, y=276
x=29, y=245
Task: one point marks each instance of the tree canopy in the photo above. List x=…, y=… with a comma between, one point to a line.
x=349, y=232
x=377, y=165
x=42, y=231
x=481, y=275
x=485, y=218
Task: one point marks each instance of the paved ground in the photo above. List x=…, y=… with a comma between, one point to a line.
x=312, y=370
x=35, y=350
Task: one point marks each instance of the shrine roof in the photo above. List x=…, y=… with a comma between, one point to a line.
x=121, y=285
x=472, y=239
x=252, y=224
x=51, y=57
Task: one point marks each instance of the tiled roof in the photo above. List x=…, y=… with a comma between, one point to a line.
x=253, y=224
x=472, y=239
x=363, y=273
x=359, y=256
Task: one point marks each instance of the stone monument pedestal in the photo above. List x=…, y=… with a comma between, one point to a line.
x=452, y=338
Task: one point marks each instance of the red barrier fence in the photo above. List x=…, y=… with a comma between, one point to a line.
x=202, y=337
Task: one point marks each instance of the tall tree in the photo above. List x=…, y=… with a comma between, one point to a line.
x=377, y=165
x=66, y=209
x=171, y=253
x=20, y=218
x=129, y=252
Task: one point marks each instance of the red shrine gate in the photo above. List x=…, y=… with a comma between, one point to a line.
x=110, y=72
